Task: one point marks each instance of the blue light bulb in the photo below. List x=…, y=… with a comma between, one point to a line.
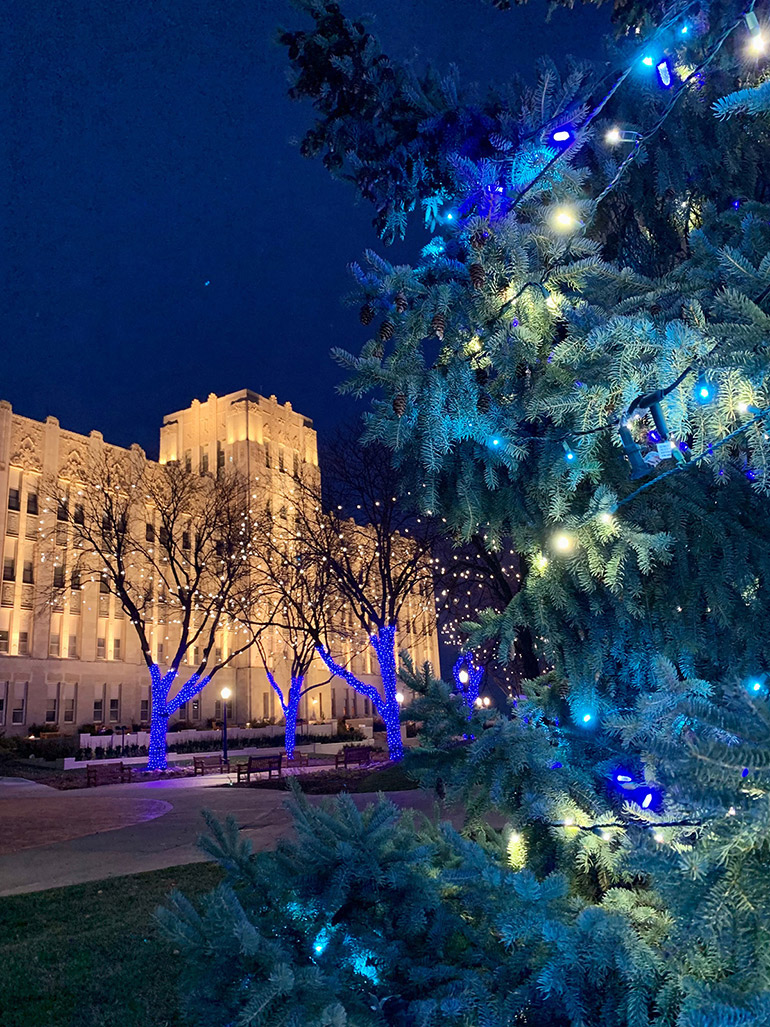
x=586, y=718
x=495, y=442
x=684, y=29
x=704, y=392
x=664, y=74
x=646, y=802
x=450, y=216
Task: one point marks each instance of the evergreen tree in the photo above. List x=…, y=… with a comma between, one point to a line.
x=576, y=363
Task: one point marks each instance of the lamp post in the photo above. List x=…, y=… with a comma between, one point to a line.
x=225, y=693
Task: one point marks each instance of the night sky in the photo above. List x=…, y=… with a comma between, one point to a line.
x=163, y=238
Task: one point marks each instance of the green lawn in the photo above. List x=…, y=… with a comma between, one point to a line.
x=90, y=956
x=390, y=778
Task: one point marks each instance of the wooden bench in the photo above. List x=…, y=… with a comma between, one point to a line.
x=204, y=763
x=353, y=756
x=106, y=774
x=259, y=765
x=299, y=759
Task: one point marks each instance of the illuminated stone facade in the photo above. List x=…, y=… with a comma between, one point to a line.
x=76, y=660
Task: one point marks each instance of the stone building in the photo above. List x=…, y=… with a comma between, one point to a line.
x=75, y=659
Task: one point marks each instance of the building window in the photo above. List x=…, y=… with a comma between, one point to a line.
x=32, y=503
x=104, y=584
x=79, y=516
x=296, y=465
x=28, y=573
x=220, y=458
x=265, y=706
x=114, y=710
x=75, y=580
x=69, y=711
x=280, y=459
x=62, y=513
x=334, y=703
x=366, y=707
x=101, y=649
x=116, y=655
x=53, y=645
x=2, y=711
x=161, y=654
x=58, y=576
x=204, y=459
x=4, y=642
x=98, y=711
x=149, y=533
x=196, y=654
x=72, y=647
x=185, y=540
x=183, y=711
x=188, y=460
x=50, y=712
x=14, y=499
x=267, y=454
x=196, y=709
x=218, y=709
x=17, y=716
x=355, y=704
x=164, y=537
x=9, y=569
x=144, y=709
x=23, y=643
x=218, y=653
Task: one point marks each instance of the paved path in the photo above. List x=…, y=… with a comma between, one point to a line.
x=148, y=844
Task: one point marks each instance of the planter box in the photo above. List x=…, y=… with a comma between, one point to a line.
x=327, y=727
x=179, y=758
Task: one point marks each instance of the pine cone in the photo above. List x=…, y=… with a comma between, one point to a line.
x=366, y=314
x=386, y=330
x=484, y=403
x=479, y=238
x=378, y=351
x=478, y=277
x=401, y=302
x=439, y=325
x=399, y=404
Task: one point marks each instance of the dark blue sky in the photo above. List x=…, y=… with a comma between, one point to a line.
x=148, y=150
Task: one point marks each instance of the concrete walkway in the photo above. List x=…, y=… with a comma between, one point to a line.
x=169, y=839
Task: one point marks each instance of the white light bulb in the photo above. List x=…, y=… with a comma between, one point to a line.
x=399, y=697
x=564, y=220
x=563, y=542
x=757, y=45
x=658, y=837
x=613, y=136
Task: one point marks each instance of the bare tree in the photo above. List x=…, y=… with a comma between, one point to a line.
x=378, y=552
x=175, y=548
x=298, y=597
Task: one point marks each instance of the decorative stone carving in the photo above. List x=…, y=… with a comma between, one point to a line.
x=73, y=467
x=27, y=444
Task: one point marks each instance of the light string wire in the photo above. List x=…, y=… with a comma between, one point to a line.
x=640, y=140
x=664, y=27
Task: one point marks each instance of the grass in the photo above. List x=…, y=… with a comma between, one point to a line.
x=390, y=778
x=90, y=955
